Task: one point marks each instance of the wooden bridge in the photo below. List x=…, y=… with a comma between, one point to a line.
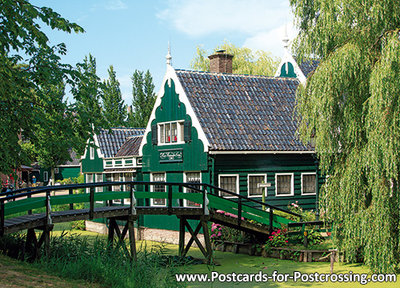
x=246, y=214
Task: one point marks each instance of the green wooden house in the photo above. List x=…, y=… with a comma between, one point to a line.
x=231, y=131
x=70, y=169
x=112, y=156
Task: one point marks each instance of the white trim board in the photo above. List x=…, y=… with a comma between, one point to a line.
x=171, y=75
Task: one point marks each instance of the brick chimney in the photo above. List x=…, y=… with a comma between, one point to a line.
x=221, y=62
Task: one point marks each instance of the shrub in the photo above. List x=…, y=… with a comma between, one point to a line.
x=307, y=215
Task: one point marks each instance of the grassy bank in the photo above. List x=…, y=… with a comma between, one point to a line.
x=111, y=270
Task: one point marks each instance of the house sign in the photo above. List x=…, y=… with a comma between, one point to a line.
x=171, y=155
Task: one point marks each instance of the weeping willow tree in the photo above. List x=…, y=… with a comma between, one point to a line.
x=351, y=106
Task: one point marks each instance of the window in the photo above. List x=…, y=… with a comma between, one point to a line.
x=252, y=181
x=128, y=177
x=230, y=183
x=158, y=177
x=308, y=183
x=91, y=149
x=56, y=170
x=89, y=179
x=45, y=176
x=117, y=177
x=171, y=132
x=99, y=179
x=195, y=178
x=284, y=184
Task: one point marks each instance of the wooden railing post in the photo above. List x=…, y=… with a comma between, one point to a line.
x=48, y=209
x=132, y=209
x=271, y=220
x=205, y=203
x=169, y=199
x=239, y=211
x=71, y=205
x=91, y=207
x=180, y=190
x=146, y=200
x=2, y=218
x=29, y=211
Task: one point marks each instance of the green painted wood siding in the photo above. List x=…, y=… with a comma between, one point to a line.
x=92, y=165
x=269, y=164
x=171, y=109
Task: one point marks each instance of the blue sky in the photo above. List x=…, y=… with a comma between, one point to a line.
x=133, y=34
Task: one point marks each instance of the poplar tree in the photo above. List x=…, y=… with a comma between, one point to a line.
x=114, y=108
x=245, y=61
x=351, y=104
x=86, y=90
x=143, y=99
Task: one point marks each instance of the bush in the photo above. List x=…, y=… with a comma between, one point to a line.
x=306, y=216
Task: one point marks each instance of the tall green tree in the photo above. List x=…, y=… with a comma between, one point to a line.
x=351, y=103
x=245, y=61
x=114, y=108
x=27, y=63
x=86, y=90
x=55, y=132
x=143, y=99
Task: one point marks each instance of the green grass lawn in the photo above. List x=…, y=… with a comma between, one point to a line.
x=226, y=263
x=239, y=263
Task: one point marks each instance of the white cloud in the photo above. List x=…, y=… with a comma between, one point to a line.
x=271, y=40
x=260, y=21
x=116, y=5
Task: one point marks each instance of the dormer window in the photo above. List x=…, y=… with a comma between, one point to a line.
x=171, y=132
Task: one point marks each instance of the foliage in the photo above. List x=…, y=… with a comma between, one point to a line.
x=114, y=108
x=86, y=90
x=78, y=225
x=278, y=238
x=245, y=61
x=351, y=104
x=28, y=63
x=313, y=238
x=75, y=257
x=306, y=216
x=143, y=99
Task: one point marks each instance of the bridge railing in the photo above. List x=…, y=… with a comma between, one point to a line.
x=206, y=191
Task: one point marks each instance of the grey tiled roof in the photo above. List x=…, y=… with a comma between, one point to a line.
x=111, y=142
x=308, y=66
x=130, y=147
x=241, y=112
x=74, y=159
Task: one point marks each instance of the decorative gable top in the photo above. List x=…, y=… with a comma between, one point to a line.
x=243, y=112
x=130, y=147
x=110, y=142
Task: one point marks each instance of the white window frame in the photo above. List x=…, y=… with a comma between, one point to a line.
x=308, y=173
x=45, y=176
x=291, y=184
x=237, y=184
x=56, y=170
x=185, y=204
x=96, y=175
x=152, y=188
x=248, y=185
x=91, y=152
x=87, y=181
x=180, y=138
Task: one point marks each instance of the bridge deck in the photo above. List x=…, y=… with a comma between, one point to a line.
x=37, y=220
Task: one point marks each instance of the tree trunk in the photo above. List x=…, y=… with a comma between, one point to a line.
x=52, y=177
